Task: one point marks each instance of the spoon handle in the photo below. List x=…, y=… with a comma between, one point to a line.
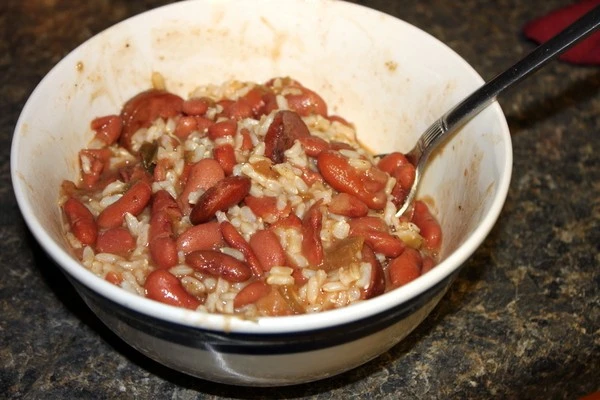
x=482, y=97
x=486, y=94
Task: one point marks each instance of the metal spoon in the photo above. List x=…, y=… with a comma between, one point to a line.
x=450, y=122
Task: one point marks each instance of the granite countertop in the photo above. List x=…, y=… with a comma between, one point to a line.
x=521, y=321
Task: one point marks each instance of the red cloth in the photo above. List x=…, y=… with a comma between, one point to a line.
x=541, y=29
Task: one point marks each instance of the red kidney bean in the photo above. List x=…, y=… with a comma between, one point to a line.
x=223, y=128
x=375, y=233
x=312, y=248
x=307, y=103
x=246, y=140
x=428, y=264
x=162, y=286
x=225, y=104
x=287, y=126
x=377, y=282
x=348, y=205
x=196, y=106
x=291, y=221
x=225, y=156
x=266, y=208
x=251, y=293
x=405, y=176
x=218, y=264
x=405, y=268
x=255, y=99
x=337, y=118
x=383, y=242
x=265, y=244
x=160, y=170
x=390, y=162
x=335, y=145
x=81, y=221
x=270, y=103
x=108, y=128
x=261, y=100
x=367, y=224
x=202, y=175
x=117, y=241
x=114, y=277
x=397, y=165
x=183, y=178
x=237, y=241
x=240, y=109
x=162, y=201
x=310, y=177
x=398, y=195
x=313, y=145
x=98, y=158
x=133, y=201
x=143, y=109
x=224, y=194
x=375, y=180
x=428, y=225
x=163, y=251
x=161, y=244
x=337, y=172
x=202, y=124
x=299, y=278
x=185, y=125
x=205, y=236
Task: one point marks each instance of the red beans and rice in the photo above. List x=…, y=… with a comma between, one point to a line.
x=246, y=199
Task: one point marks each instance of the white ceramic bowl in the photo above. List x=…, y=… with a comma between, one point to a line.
x=388, y=77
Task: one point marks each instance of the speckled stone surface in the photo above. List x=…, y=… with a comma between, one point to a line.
x=522, y=320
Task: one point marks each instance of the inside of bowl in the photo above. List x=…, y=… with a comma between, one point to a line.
x=388, y=78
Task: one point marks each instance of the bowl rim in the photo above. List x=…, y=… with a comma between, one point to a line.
x=283, y=324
